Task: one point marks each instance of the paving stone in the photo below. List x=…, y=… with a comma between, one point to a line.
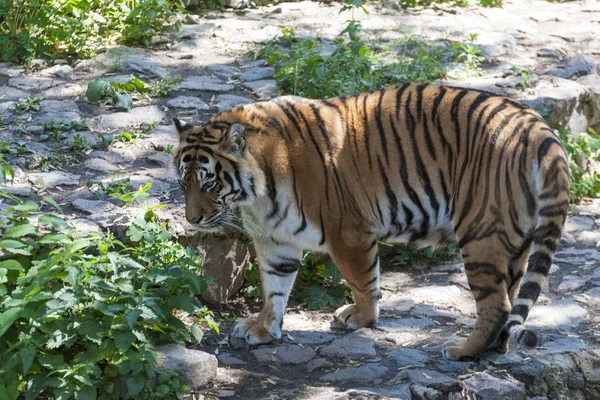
x=7, y=109
x=357, y=344
x=453, y=367
x=401, y=325
x=59, y=71
x=228, y=101
x=532, y=372
x=483, y=386
x=6, y=69
x=594, y=295
x=420, y=392
x=33, y=83
x=284, y=354
x=158, y=187
x=100, y=165
x=564, y=314
x=196, y=367
x=408, y=357
x=431, y=311
x=188, y=102
x=579, y=224
x=58, y=106
x=401, y=392
x=397, y=303
x=224, y=71
x=572, y=282
x=93, y=206
x=436, y=294
x=21, y=189
x=502, y=359
x=589, y=237
x=63, y=116
x=64, y=91
x=400, y=338
x=578, y=65
x=263, y=88
x=135, y=116
x=564, y=345
x=129, y=59
x=433, y=379
x=86, y=226
x=9, y=93
x=255, y=74
x=54, y=178
x=314, y=337
x=205, y=83
x=164, y=160
x=318, y=363
x=364, y=373
x=228, y=359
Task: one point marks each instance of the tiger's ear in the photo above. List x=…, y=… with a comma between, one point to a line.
x=234, y=141
x=183, y=128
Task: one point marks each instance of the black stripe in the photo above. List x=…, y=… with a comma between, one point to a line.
x=382, y=133
x=273, y=294
x=530, y=290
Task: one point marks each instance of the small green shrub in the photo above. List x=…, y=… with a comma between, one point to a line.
x=80, y=317
x=583, y=150
x=409, y=254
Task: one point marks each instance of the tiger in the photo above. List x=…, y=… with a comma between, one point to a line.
x=415, y=163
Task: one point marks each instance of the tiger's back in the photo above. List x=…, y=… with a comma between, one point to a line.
x=416, y=163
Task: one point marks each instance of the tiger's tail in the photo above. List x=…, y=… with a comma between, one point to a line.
x=553, y=185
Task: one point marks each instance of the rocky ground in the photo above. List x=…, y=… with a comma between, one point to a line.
x=423, y=305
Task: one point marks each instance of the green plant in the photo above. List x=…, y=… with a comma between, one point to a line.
x=6, y=170
x=132, y=197
x=119, y=94
x=108, y=188
x=409, y=254
x=27, y=104
x=168, y=149
x=80, y=316
x=584, y=151
x=469, y=55
x=162, y=87
x=524, y=73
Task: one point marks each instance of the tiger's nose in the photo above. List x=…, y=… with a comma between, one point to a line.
x=195, y=220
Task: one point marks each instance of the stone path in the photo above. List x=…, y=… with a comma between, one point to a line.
x=557, y=43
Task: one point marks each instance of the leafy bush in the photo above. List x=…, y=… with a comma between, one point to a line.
x=584, y=152
x=50, y=28
x=80, y=317
x=408, y=254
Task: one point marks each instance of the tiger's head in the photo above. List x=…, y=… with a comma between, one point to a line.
x=216, y=172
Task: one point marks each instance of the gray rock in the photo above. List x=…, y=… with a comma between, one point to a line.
x=188, y=102
x=7, y=70
x=576, y=66
x=502, y=359
x=205, y=83
x=589, y=237
x=58, y=106
x=576, y=381
x=135, y=116
x=255, y=74
x=431, y=311
x=483, y=386
x=437, y=294
x=93, y=206
x=237, y=4
x=64, y=91
x=161, y=159
x=561, y=99
x=433, y=379
x=594, y=295
x=364, y=373
x=401, y=338
x=548, y=53
x=85, y=226
x=264, y=88
x=532, y=374
x=100, y=165
x=54, y=178
x=228, y=101
x=284, y=354
x=196, y=367
x=402, y=325
x=572, y=282
x=228, y=359
x=454, y=367
x=33, y=83
x=564, y=345
x=420, y=392
x=564, y=314
x=20, y=189
x=34, y=129
x=158, y=186
x=7, y=109
x=318, y=363
x=59, y=71
x=310, y=337
x=9, y=93
x=45, y=117
x=357, y=344
x=397, y=303
x=223, y=71
x=490, y=51
x=124, y=58
x=408, y=357
x=401, y=392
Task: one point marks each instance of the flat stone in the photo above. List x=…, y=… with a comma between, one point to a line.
x=54, y=178
x=589, y=237
x=58, y=106
x=578, y=65
x=486, y=387
x=436, y=294
x=594, y=295
x=312, y=337
x=263, y=88
x=125, y=58
x=401, y=338
x=358, y=344
x=64, y=91
x=255, y=74
x=135, y=116
x=564, y=314
x=318, y=363
x=100, y=165
x=93, y=206
x=551, y=53
x=228, y=359
x=188, y=102
x=205, y=83
x=164, y=160
x=572, y=282
x=401, y=325
x=228, y=101
x=433, y=379
x=7, y=109
x=284, y=354
x=364, y=373
x=502, y=359
x=9, y=93
x=86, y=226
x=7, y=70
x=223, y=71
x=454, y=367
x=408, y=357
x=59, y=71
x=531, y=373
x=431, y=311
x=158, y=187
x=46, y=117
x=196, y=367
x=18, y=189
x=33, y=83
x=564, y=345
x=397, y=303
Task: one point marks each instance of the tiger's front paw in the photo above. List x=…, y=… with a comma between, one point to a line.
x=254, y=332
x=350, y=317
x=455, y=349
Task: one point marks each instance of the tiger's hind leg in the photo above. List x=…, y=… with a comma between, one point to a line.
x=516, y=270
x=359, y=265
x=486, y=267
x=278, y=264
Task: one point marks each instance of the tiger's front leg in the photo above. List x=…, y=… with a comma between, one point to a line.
x=278, y=265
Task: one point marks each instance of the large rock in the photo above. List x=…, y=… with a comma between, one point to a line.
x=205, y=83
x=33, y=83
x=365, y=373
x=255, y=74
x=483, y=386
x=135, y=116
x=228, y=101
x=188, y=102
x=54, y=178
x=197, y=368
x=433, y=379
x=262, y=88
x=9, y=93
x=357, y=344
x=124, y=58
x=285, y=354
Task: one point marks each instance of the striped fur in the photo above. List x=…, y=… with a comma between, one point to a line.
x=422, y=164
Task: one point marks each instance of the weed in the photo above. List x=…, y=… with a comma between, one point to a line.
x=168, y=150
x=132, y=197
x=27, y=105
x=408, y=254
x=113, y=188
x=524, y=73
x=584, y=152
x=469, y=55
x=162, y=87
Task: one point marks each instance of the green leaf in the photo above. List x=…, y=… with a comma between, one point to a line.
x=86, y=393
x=49, y=219
x=52, y=238
x=132, y=316
x=123, y=340
x=123, y=100
x=28, y=206
x=7, y=318
x=96, y=89
x=18, y=231
x=11, y=264
x=78, y=245
x=27, y=355
x=135, y=384
x=12, y=244
x=197, y=333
